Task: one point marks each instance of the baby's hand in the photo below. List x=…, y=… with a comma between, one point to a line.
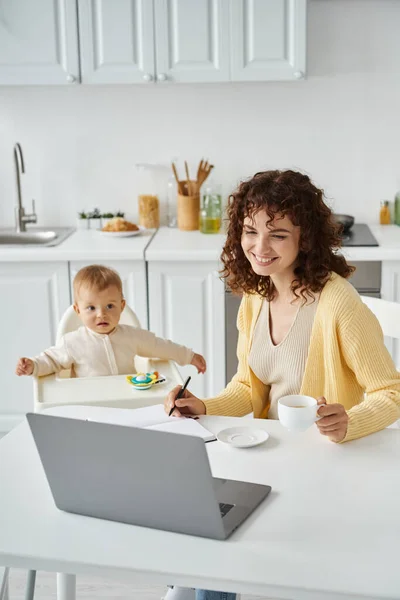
x=24, y=367
x=199, y=362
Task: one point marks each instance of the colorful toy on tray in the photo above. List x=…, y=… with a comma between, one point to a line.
x=144, y=381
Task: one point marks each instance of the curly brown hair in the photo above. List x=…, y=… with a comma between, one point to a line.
x=285, y=193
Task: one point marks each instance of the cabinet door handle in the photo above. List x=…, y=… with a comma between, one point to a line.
x=162, y=77
x=148, y=77
x=71, y=78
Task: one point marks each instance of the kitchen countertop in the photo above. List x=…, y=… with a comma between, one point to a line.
x=388, y=238
x=174, y=245
x=82, y=245
x=170, y=244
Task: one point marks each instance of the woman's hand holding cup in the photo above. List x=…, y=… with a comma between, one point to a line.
x=333, y=420
x=299, y=412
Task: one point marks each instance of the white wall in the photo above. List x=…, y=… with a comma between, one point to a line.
x=341, y=125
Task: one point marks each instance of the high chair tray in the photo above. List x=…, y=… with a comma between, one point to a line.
x=104, y=391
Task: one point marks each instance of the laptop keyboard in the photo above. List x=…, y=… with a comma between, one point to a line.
x=225, y=508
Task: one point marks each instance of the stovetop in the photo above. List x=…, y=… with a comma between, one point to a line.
x=359, y=235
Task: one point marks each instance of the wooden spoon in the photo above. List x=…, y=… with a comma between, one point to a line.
x=188, y=178
x=179, y=183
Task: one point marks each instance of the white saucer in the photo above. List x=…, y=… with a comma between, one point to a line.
x=242, y=437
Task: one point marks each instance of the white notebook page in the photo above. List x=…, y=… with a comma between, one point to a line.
x=152, y=417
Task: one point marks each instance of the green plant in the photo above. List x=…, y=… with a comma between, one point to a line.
x=82, y=215
x=108, y=215
x=95, y=214
x=120, y=214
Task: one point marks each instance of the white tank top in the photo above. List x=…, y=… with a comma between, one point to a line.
x=282, y=366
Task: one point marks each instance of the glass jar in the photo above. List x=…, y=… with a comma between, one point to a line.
x=211, y=210
x=172, y=193
x=148, y=202
x=149, y=211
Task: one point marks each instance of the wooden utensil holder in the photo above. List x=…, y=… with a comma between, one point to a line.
x=188, y=212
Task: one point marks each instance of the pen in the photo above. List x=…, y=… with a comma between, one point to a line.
x=180, y=394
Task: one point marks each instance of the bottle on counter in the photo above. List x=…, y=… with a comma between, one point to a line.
x=397, y=208
x=211, y=210
x=384, y=214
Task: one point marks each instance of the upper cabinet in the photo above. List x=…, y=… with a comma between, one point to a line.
x=141, y=41
x=268, y=40
x=151, y=41
x=38, y=42
x=116, y=41
x=192, y=40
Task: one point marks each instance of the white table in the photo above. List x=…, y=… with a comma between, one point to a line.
x=330, y=528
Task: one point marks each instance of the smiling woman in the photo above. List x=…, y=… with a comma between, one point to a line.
x=270, y=246
x=279, y=220
x=303, y=328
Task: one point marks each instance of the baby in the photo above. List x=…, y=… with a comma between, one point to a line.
x=102, y=346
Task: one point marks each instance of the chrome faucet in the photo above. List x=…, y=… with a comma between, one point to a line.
x=21, y=219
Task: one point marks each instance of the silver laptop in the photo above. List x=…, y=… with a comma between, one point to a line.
x=138, y=476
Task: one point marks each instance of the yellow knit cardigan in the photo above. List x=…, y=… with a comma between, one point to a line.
x=347, y=363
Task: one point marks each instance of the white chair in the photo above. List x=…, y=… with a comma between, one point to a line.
x=61, y=389
x=388, y=315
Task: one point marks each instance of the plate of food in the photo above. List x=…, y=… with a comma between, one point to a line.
x=144, y=381
x=119, y=227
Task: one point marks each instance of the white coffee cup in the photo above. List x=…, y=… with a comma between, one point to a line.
x=297, y=412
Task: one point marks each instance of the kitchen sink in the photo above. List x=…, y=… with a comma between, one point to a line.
x=35, y=236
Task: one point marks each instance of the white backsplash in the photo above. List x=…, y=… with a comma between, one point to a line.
x=341, y=125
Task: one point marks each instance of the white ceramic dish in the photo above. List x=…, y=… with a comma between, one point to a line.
x=121, y=234
x=242, y=437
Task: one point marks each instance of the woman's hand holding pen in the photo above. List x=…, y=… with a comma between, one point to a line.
x=187, y=405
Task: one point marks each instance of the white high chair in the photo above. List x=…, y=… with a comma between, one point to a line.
x=61, y=389
x=112, y=391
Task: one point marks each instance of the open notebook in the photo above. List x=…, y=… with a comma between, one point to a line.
x=150, y=417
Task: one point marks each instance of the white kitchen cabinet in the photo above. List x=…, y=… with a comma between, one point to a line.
x=186, y=305
x=192, y=40
x=145, y=41
x=116, y=41
x=38, y=42
x=268, y=39
x=133, y=275
x=33, y=297
x=390, y=290
x=151, y=41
